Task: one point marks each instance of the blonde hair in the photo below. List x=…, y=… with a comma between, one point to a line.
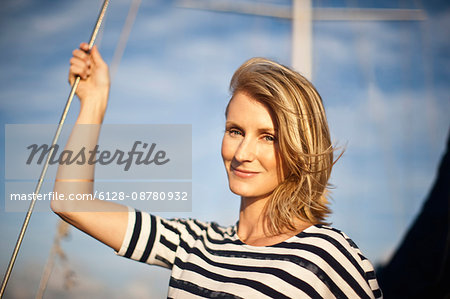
x=304, y=143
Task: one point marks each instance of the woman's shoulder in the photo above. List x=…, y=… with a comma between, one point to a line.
x=329, y=244
x=327, y=233
x=323, y=237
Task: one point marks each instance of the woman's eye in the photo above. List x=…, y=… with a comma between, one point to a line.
x=269, y=138
x=234, y=132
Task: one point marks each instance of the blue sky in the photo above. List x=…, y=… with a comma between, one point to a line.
x=384, y=85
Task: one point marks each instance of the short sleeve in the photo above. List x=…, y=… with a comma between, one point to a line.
x=150, y=239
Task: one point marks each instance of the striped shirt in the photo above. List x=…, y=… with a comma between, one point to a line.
x=209, y=261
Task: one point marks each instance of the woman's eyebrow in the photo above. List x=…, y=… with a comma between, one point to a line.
x=267, y=130
x=231, y=124
x=271, y=130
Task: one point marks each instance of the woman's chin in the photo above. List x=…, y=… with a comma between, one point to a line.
x=243, y=192
x=248, y=192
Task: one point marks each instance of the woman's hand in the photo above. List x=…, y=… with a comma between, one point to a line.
x=93, y=89
x=94, y=84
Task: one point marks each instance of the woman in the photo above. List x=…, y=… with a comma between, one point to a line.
x=278, y=156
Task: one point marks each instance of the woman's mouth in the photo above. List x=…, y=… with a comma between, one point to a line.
x=243, y=173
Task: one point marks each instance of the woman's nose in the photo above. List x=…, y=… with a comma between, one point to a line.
x=246, y=151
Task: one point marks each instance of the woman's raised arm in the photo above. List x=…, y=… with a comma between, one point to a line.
x=103, y=220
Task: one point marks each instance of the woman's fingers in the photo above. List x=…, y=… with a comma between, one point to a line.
x=80, y=63
x=92, y=70
x=82, y=60
x=80, y=54
x=76, y=70
x=80, y=67
x=84, y=47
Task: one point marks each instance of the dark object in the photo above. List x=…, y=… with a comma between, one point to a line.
x=420, y=267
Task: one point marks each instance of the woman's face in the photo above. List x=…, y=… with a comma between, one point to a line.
x=249, y=148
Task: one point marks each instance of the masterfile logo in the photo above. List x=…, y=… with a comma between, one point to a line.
x=145, y=156
x=148, y=167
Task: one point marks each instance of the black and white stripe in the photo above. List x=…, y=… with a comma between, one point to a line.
x=209, y=261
